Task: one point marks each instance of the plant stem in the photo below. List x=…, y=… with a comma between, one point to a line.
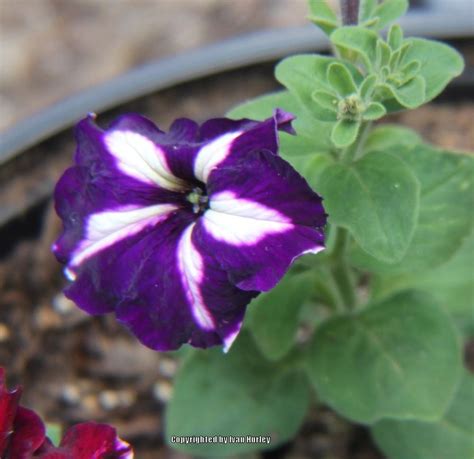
x=349, y=12
x=340, y=269
x=353, y=152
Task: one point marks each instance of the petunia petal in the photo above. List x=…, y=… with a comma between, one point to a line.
x=262, y=216
x=8, y=408
x=29, y=434
x=88, y=440
x=229, y=140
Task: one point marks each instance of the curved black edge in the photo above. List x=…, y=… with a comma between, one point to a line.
x=263, y=46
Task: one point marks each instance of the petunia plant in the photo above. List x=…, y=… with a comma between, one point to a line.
x=325, y=256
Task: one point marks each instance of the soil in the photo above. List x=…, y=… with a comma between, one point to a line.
x=75, y=367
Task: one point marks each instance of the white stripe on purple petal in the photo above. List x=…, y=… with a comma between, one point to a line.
x=212, y=154
x=109, y=227
x=230, y=338
x=242, y=222
x=140, y=158
x=191, y=268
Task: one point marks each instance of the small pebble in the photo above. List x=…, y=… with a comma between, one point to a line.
x=167, y=367
x=4, y=333
x=71, y=394
x=162, y=391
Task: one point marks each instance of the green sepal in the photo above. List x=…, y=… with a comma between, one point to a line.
x=450, y=437
x=367, y=87
x=340, y=79
x=344, y=133
x=382, y=53
x=305, y=74
x=374, y=111
x=328, y=105
x=395, y=37
x=409, y=95
x=398, y=359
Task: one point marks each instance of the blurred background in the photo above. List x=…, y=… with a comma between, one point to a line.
x=75, y=367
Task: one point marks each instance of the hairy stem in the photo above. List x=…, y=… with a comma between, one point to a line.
x=349, y=12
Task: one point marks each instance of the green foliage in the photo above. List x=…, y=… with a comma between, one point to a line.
x=54, y=432
x=396, y=359
x=450, y=437
x=378, y=15
x=452, y=284
x=400, y=233
x=446, y=203
x=376, y=199
x=273, y=317
x=237, y=394
x=322, y=15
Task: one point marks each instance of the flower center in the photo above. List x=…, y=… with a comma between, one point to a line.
x=199, y=199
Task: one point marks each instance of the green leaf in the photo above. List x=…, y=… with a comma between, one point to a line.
x=238, y=394
x=452, y=284
x=409, y=95
x=445, y=219
x=327, y=103
x=382, y=53
x=388, y=135
x=439, y=64
x=366, y=9
x=354, y=41
x=340, y=79
x=450, y=437
x=389, y=11
x=322, y=15
x=54, y=432
x=395, y=37
x=376, y=199
x=273, y=317
x=367, y=87
x=344, y=133
x=311, y=137
x=397, y=359
x=305, y=74
x=374, y=111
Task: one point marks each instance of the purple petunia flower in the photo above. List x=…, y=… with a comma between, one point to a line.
x=176, y=232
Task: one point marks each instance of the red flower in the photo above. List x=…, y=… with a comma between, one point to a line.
x=23, y=436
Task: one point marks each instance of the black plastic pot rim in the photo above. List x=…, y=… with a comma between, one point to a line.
x=258, y=47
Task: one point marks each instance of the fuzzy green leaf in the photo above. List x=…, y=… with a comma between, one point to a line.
x=340, y=79
x=397, y=359
x=328, y=105
x=395, y=37
x=389, y=11
x=388, y=135
x=439, y=63
x=353, y=41
x=452, y=284
x=273, y=317
x=305, y=74
x=410, y=95
x=367, y=87
x=238, y=394
x=450, y=437
x=376, y=199
x=344, y=133
x=374, y=111
x=445, y=218
x=323, y=16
